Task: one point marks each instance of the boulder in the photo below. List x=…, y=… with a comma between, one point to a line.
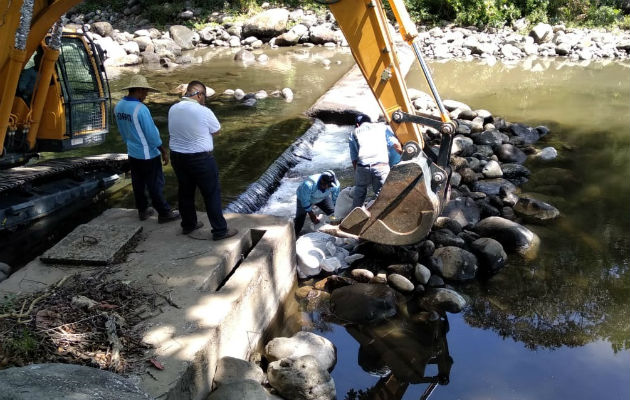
x=464, y=210
x=323, y=34
x=490, y=255
x=513, y=236
x=490, y=138
x=400, y=283
x=167, y=48
x=245, y=56
x=422, y=274
x=183, y=36
x=525, y=134
x=535, y=211
x=542, y=33
x=492, y=186
x=301, y=379
x=455, y=263
x=442, y=300
x=267, y=24
x=301, y=344
x=244, y=389
x=102, y=28
x=509, y=153
x=363, y=303
x=230, y=370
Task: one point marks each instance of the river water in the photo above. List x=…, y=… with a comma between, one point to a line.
x=553, y=328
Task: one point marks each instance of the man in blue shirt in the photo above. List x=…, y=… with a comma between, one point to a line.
x=144, y=148
x=320, y=190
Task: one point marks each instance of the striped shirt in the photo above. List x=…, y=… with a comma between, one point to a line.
x=191, y=126
x=137, y=129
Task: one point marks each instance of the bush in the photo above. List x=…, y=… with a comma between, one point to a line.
x=601, y=16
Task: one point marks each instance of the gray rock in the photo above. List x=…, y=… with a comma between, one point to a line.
x=363, y=303
x=426, y=248
x=547, y=154
x=492, y=186
x=462, y=146
x=509, y=153
x=5, y=268
x=512, y=171
x=230, y=370
x=362, y=275
x=422, y=274
x=102, y=28
x=535, y=211
x=143, y=42
x=167, y=48
x=490, y=138
x=490, y=254
x=444, y=237
x=492, y=170
x=525, y=134
x=463, y=210
x=442, y=300
x=65, y=381
x=149, y=58
x=542, y=33
x=287, y=93
x=435, y=281
x=267, y=24
x=451, y=105
x=244, y=389
x=301, y=344
x=183, y=36
x=513, y=236
x=400, y=283
x=448, y=223
x=322, y=34
x=301, y=379
x=456, y=263
x=245, y=56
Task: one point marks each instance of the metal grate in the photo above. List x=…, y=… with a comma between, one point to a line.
x=85, y=100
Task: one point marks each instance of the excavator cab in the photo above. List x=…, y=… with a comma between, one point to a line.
x=416, y=189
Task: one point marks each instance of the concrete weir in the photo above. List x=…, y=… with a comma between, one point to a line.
x=222, y=294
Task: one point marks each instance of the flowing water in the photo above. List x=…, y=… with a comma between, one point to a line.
x=553, y=328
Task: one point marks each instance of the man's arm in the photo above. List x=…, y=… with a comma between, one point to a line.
x=304, y=197
x=354, y=150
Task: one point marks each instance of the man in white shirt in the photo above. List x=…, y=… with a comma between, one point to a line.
x=191, y=126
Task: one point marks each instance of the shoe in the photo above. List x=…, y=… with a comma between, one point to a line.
x=186, y=231
x=231, y=232
x=146, y=213
x=172, y=215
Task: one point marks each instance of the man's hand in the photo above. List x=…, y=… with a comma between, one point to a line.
x=313, y=217
x=165, y=157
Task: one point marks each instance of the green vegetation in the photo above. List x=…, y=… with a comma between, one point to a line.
x=494, y=13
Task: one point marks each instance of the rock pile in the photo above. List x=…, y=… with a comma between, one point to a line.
x=478, y=228
x=128, y=45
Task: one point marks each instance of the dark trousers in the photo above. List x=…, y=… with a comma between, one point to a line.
x=199, y=170
x=325, y=205
x=147, y=174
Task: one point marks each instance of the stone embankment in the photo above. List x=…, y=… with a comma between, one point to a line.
x=134, y=41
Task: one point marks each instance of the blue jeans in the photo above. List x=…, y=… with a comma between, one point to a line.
x=366, y=175
x=148, y=174
x=199, y=170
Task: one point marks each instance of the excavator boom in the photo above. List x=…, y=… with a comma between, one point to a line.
x=415, y=190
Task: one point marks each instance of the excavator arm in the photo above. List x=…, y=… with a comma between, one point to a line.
x=415, y=190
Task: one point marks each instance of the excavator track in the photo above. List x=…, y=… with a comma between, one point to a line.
x=30, y=192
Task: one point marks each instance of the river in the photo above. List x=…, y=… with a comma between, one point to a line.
x=552, y=328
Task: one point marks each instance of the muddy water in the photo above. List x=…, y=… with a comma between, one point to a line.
x=557, y=327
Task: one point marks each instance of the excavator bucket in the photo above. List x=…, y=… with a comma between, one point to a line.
x=404, y=210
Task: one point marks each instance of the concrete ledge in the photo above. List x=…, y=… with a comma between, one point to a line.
x=214, y=318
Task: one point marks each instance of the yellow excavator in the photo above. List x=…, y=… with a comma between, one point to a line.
x=416, y=189
x=54, y=97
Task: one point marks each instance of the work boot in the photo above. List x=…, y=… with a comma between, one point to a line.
x=171, y=215
x=186, y=231
x=230, y=232
x=146, y=213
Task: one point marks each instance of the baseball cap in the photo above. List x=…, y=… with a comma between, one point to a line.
x=328, y=177
x=361, y=118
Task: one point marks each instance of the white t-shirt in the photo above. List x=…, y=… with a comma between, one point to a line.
x=191, y=126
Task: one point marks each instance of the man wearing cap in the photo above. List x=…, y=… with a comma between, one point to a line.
x=144, y=148
x=370, y=157
x=321, y=190
x=191, y=126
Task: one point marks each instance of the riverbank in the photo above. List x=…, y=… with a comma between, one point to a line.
x=130, y=39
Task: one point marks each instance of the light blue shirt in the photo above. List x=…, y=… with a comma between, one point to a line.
x=308, y=193
x=137, y=128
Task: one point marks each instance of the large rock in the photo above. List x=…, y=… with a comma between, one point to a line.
x=513, y=236
x=442, y=300
x=324, y=34
x=525, y=134
x=244, y=389
x=167, y=48
x=65, y=381
x=102, y=28
x=301, y=344
x=490, y=255
x=267, y=24
x=230, y=370
x=455, y=263
x=183, y=36
x=542, y=33
x=363, y=303
x=509, y=153
x=492, y=186
x=535, y=211
x=301, y=379
x=464, y=210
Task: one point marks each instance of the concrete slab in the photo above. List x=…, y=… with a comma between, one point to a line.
x=213, y=317
x=93, y=244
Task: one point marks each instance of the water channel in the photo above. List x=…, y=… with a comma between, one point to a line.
x=552, y=328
